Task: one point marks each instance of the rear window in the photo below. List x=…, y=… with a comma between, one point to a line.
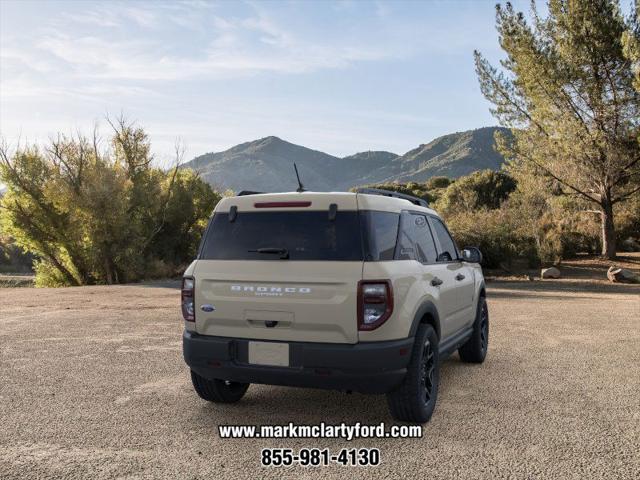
x=310, y=235
x=306, y=235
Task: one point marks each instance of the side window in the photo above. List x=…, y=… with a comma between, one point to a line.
x=447, y=251
x=380, y=231
x=416, y=242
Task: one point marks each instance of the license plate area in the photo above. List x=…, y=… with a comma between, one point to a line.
x=274, y=354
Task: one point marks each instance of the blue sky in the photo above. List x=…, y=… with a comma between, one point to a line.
x=340, y=77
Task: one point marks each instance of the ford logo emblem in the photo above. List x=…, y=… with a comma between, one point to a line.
x=207, y=308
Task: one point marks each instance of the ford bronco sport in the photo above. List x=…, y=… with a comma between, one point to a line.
x=362, y=291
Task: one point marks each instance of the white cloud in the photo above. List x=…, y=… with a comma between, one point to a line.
x=141, y=16
x=99, y=17
x=271, y=33
x=177, y=63
x=227, y=46
x=245, y=46
x=110, y=16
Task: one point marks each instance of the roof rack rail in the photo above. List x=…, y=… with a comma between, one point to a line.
x=247, y=192
x=389, y=193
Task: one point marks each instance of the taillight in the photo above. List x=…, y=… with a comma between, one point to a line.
x=375, y=303
x=188, y=307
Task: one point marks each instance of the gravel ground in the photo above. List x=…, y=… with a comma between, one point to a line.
x=92, y=385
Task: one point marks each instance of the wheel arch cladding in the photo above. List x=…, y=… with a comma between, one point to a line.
x=428, y=314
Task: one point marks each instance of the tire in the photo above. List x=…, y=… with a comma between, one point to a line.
x=475, y=349
x=415, y=399
x=218, y=391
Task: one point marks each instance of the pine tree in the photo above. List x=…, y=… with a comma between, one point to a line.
x=566, y=89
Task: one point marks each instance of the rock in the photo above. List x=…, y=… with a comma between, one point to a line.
x=551, y=272
x=622, y=275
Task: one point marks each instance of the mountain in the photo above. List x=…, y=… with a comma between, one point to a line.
x=266, y=164
x=452, y=156
x=358, y=168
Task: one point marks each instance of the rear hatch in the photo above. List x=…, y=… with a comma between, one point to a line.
x=281, y=267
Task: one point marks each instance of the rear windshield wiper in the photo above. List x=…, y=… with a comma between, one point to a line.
x=283, y=252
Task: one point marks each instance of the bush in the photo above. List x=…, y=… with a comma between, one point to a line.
x=628, y=220
x=435, y=183
x=493, y=232
x=102, y=217
x=482, y=189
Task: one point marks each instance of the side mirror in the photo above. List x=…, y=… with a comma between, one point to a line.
x=471, y=255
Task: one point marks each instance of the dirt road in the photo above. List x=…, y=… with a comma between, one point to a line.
x=92, y=385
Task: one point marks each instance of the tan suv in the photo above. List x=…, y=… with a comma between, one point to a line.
x=362, y=291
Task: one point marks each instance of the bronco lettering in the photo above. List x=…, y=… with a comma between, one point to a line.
x=269, y=289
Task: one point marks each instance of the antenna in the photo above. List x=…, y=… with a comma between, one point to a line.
x=300, y=186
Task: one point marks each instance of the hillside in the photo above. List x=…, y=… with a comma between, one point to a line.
x=359, y=168
x=452, y=156
x=267, y=164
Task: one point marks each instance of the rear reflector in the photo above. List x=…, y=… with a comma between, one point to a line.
x=281, y=204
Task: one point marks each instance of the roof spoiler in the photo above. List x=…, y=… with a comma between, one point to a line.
x=389, y=193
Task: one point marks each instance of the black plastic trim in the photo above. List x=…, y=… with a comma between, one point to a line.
x=244, y=193
x=366, y=367
x=233, y=213
x=390, y=193
x=482, y=289
x=454, y=342
x=333, y=211
x=430, y=308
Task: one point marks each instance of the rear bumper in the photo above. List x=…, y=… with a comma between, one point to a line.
x=371, y=367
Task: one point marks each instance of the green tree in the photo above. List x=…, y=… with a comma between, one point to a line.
x=435, y=183
x=481, y=189
x=93, y=216
x=567, y=91
x=185, y=219
x=631, y=41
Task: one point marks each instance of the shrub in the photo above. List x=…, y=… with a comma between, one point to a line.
x=493, y=232
x=435, y=183
x=93, y=216
x=482, y=189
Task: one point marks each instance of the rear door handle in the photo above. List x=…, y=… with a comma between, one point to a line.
x=436, y=282
x=459, y=277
